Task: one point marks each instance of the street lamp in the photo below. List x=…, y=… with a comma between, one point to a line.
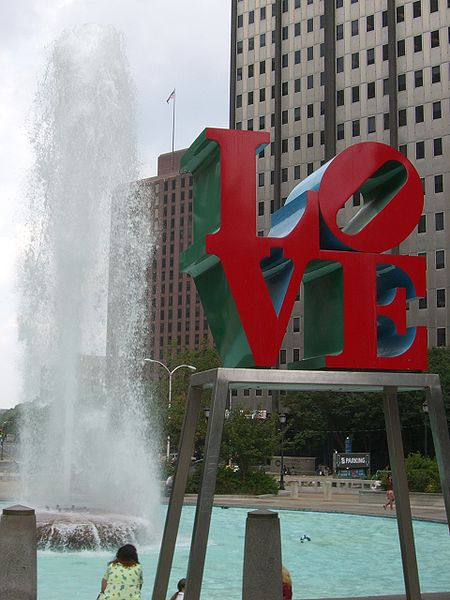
x=170, y=372
x=282, y=419
x=425, y=428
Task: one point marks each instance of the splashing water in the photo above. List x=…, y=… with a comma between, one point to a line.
x=83, y=287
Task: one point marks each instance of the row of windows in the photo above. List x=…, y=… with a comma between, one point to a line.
x=173, y=183
x=440, y=300
x=438, y=222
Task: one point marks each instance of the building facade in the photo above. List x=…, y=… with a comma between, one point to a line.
x=177, y=321
x=321, y=75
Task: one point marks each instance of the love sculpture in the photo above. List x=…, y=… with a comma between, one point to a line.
x=355, y=293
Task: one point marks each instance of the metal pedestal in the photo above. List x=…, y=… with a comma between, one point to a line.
x=222, y=380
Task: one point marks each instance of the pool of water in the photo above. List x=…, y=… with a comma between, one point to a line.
x=348, y=555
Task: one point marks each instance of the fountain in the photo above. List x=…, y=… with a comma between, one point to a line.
x=87, y=448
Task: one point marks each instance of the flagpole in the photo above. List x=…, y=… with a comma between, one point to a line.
x=173, y=126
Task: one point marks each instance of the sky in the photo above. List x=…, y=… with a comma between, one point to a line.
x=170, y=44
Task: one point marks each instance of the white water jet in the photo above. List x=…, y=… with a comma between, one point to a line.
x=83, y=288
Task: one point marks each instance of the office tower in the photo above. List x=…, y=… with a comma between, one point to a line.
x=321, y=75
x=177, y=321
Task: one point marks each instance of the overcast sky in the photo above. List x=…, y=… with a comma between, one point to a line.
x=170, y=44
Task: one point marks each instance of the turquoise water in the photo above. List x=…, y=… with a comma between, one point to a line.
x=348, y=555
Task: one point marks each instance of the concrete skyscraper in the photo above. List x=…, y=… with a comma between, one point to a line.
x=324, y=74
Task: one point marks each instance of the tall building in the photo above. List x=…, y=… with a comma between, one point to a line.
x=322, y=75
x=176, y=316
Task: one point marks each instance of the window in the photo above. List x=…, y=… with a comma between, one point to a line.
x=250, y=98
x=437, y=147
x=262, y=94
x=285, y=60
x=297, y=3
x=434, y=6
x=260, y=209
x=437, y=110
x=261, y=182
x=339, y=3
x=417, y=43
x=285, y=5
x=440, y=259
x=371, y=90
x=385, y=49
x=370, y=124
x=296, y=354
x=284, y=175
x=386, y=122
x=418, y=78
x=310, y=140
x=403, y=149
x=357, y=199
x=297, y=29
x=385, y=87
x=438, y=184
x=402, y=117
x=340, y=64
x=297, y=57
x=309, y=168
x=340, y=131
x=420, y=149
x=440, y=336
x=422, y=224
x=355, y=60
x=296, y=85
x=284, y=117
x=284, y=146
x=440, y=298
x=262, y=40
x=285, y=33
x=250, y=70
x=384, y=18
x=310, y=53
x=419, y=113
x=239, y=101
x=417, y=9
x=355, y=128
x=371, y=56
x=400, y=14
x=309, y=25
x=355, y=93
x=239, y=47
x=434, y=38
x=262, y=13
x=401, y=48
x=354, y=27
x=251, y=44
x=340, y=98
x=340, y=31
x=310, y=82
x=297, y=172
x=297, y=142
x=284, y=88
x=297, y=113
x=262, y=122
x=262, y=67
x=296, y=324
x=370, y=23
x=439, y=221
x=240, y=21
x=250, y=125
x=436, y=74
x=422, y=303
x=251, y=17
x=310, y=111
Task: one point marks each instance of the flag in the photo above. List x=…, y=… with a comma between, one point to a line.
x=172, y=95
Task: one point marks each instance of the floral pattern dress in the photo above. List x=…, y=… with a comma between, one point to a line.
x=123, y=583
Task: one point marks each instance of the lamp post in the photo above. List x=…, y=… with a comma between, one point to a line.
x=425, y=428
x=170, y=373
x=282, y=419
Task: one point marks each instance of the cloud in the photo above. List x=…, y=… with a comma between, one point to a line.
x=169, y=44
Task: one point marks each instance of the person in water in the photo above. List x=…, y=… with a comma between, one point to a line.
x=179, y=594
x=287, y=584
x=123, y=577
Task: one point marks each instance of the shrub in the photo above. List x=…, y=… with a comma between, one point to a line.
x=231, y=482
x=422, y=473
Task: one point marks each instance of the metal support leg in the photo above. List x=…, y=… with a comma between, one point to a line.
x=400, y=483
x=185, y=453
x=206, y=494
x=439, y=430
